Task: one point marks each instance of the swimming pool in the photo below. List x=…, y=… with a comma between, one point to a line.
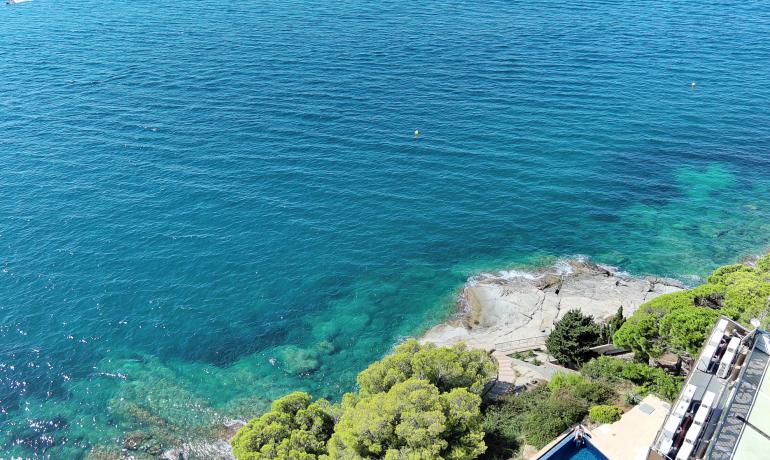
x=567, y=450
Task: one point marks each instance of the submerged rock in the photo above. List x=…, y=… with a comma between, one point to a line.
x=142, y=441
x=325, y=347
x=298, y=360
x=216, y=450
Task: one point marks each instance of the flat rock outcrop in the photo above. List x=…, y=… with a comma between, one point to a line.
x=515, y=305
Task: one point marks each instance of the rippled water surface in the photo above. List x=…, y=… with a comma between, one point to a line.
x=204, y=205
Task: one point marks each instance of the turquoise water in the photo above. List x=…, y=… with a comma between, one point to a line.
x=208, y=204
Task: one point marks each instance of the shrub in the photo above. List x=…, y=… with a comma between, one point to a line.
x=552, y=416
x=746, y=295
x=633, y=398
x=605, y=414
x=572, y=337
x=606, y=368
x=562, y=380
x=538, y=415
x=594, y=392
x=647, y=379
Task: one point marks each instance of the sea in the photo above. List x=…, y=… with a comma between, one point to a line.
x=205, y=204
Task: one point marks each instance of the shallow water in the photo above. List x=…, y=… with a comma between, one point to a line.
x=208, y=204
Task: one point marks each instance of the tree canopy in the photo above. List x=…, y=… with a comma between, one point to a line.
x=572, y=337
x=294, y=429
x=680, y=321
x=412, y=420
x=419, y=402
x=445, y=367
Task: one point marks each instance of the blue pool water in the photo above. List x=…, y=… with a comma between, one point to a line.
x=208, y=204
x=566, y=449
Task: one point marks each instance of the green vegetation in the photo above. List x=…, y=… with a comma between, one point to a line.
x=538, y=415
x=605, y=414
x=679, y=322
x=572, y=337
x=294, y=428
x=412, y=420
x=528, y=356
x=607, y=330
x=523, y=355
x=423, y=402
x=420, y=402
x=445, y=367
x=646, y=379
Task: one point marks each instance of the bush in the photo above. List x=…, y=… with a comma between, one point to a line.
x=605, y=414
x=293, y=429
x=572, y=337
x=502, y=422
x=533, y=417
x=551, y=417
x=605, y=368
x=597, y=392
x=561, y=380
x=445, y=367
x=723, y=274
x=594, y=392
x=633, y=398
x=538, y=415
x=647, y=379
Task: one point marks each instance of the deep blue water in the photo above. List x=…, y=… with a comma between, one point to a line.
x=190, y=189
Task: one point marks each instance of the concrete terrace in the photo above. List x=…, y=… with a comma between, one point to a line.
x=630, y=437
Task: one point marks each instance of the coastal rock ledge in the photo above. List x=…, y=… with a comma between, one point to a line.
x=512, y=306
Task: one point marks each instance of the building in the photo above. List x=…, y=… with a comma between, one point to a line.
x=723, y=411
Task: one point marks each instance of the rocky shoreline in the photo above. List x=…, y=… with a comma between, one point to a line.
x=507, y=306
x=496, y=308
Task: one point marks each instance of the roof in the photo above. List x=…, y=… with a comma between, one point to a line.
x=723, y=411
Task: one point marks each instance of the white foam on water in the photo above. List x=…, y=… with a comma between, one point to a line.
x=563, y=267
x=517, y=274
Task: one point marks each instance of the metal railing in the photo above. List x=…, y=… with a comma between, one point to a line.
x=527, y=343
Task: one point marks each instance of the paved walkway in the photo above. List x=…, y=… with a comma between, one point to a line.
x=505, y=371
x=514, y=373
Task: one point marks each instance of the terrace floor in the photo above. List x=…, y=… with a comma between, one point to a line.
x=631, y=437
